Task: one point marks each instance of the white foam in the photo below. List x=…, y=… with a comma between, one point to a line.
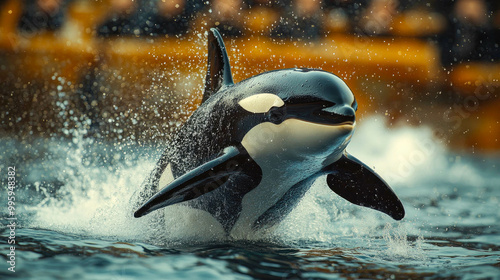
x=96, y=202
x=99, y=201
x=399, y=246
x=401, y=154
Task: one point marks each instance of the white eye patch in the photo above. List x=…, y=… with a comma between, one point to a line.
x=261, y=103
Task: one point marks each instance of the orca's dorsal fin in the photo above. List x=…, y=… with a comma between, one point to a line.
x=218, y=68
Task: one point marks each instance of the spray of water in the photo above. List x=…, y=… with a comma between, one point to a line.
x=98, y=199
x=98, y=194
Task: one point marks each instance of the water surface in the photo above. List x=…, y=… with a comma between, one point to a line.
x=74, y=205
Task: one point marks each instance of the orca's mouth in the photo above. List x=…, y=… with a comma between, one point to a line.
x=334, y=119
x=317, y=115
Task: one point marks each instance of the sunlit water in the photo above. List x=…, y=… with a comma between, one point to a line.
x=74, y=205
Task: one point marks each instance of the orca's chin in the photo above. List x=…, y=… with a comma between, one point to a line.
x=347, y=124
x=344, y=124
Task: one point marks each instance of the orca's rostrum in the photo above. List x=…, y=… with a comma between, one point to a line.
x=252, y=149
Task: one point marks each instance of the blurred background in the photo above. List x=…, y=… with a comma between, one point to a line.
x=129, y=70
x=90, y=90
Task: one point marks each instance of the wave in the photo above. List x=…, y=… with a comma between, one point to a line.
x=88, y=187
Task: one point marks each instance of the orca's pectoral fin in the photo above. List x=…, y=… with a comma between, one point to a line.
x=357, y=183
x=195, y=183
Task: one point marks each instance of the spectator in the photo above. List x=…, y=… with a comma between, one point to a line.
x=227, y=17
x=376, y=19
x=121, y=21
x=42, y=15
x=496, y=30
x=469, y=36
x=433, y=5
x=261, y=15
x=274, y=4
x=170, y=17
x=2, y=2
x=302, y=21
x=348, y=11
x=149, y=17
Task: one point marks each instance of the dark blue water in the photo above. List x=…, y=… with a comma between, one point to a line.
x=74, y=210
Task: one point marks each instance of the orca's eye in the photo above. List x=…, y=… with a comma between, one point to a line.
x=276, y=115
x=310, y=101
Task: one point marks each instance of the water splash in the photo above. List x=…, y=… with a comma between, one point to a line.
x=399, y=247
x=400, y=154
x=100, y=182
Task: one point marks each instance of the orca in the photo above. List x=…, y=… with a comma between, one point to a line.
x=252, y=149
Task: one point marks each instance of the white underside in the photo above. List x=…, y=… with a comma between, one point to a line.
x=287, y=154
x=184, y=222
x=166, y=177
x=187, y=223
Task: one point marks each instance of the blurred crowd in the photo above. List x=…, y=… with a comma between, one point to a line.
x=471, y=29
